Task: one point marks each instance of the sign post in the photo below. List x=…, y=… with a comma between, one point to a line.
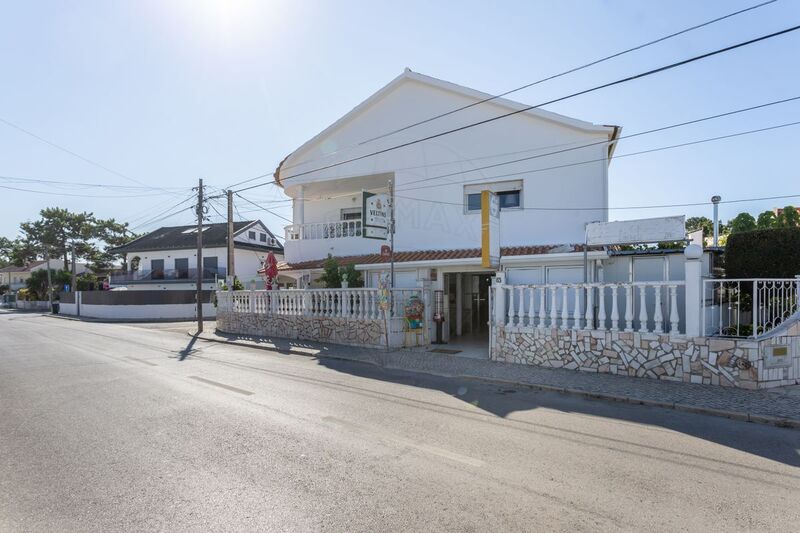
x=490, y=229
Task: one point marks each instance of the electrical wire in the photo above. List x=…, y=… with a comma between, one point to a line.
x=621, y=156
x=528, y=85
x=528, y=108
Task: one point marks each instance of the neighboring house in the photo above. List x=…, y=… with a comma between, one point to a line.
x=16, y=276
x=167, y=257
x=545, y=200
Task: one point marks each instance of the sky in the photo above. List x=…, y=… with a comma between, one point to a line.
x=151, y=95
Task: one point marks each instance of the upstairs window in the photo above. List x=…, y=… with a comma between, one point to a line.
x=350, y=213
x=509, y=193
x=263, y=237
x=251, y=235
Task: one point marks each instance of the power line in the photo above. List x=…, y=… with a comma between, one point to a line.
x=572, y=70
x=264, y=208
x=158, y=218
x=631, y=154
x=662, y=206
x=74, y=154
x=528, y=108
x=629, y=136
x=78, y=195
x=79, y=184
x=548, y=78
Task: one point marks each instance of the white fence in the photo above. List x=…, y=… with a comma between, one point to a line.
x=353, y=304
x=638, y=306
x=748, y=307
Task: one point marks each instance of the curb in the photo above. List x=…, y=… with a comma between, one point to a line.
x=711, y=411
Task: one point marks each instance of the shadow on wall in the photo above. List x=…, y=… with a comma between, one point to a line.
x=496, y=401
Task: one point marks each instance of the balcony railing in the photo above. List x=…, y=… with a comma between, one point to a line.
x=166, y=275
x=324, y=230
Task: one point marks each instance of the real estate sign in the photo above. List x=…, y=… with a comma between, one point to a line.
x=490, y=229
x=644, y=230
x=375, y=215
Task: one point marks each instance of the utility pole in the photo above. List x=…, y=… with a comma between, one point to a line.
x=716, y=200
x=231, y=272
x=72, y=281
x=391, y=243
x=200, y=256
x=49, y=281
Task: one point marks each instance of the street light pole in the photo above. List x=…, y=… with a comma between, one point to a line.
x=716, y=200
x=49, y=280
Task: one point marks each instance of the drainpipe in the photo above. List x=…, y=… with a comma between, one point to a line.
x=716, y=200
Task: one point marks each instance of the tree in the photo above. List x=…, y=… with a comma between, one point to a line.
x=741, y=223
x=6, y=249
x=352, y=276
x=37, y=282
x=766, y=220
x=789, y=217
x=331, y=276
x=704, y=223
x=59, y=230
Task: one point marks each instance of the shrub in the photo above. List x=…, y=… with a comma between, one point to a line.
x=768, y=253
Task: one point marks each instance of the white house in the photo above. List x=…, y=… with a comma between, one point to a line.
x=167, y=257
x=550, y=172
x=16, y=276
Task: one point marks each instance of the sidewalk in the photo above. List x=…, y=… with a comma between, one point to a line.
x=779, y=407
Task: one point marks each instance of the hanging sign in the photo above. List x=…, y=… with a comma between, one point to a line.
x=490, y=229
x=375, y=215
x=645, y=230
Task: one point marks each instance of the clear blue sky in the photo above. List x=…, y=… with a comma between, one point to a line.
x=169, y=91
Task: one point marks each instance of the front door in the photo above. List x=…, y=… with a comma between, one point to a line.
x=480, y=302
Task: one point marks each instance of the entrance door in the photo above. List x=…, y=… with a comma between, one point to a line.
x=480, y=302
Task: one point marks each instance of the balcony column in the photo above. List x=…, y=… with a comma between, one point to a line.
x=299, y=203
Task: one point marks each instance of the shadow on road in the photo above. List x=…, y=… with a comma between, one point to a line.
x=189, y=349
x=777, y=444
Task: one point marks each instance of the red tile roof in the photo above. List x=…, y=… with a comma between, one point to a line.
x=436, y=255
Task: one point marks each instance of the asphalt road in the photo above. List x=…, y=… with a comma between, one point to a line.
x=111, y=427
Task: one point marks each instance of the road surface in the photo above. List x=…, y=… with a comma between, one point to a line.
x=120, y=427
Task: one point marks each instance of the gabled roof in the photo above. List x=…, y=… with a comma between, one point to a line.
x=25, y=268
x=184, y=238
x=511, y=105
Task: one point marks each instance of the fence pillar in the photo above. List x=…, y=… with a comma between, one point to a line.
x=499, y=299
x=252, y=301
x=694, y=286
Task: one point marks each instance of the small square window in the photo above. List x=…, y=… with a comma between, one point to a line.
x=263, y=237
x=251, y=235
x=474, y=202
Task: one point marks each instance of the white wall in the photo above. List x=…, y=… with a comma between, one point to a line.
x=425, y=220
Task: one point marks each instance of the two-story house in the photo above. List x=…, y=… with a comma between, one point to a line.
x=167, y=257
x=549, y=171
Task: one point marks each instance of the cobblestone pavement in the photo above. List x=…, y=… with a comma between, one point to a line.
x=761, y=406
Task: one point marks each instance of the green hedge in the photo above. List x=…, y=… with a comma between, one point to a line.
x=767, y=253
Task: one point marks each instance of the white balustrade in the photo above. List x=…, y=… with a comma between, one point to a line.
x=324, y=230
x=588, y=306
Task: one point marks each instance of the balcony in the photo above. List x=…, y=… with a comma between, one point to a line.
x=323, y=230
x=185, y=275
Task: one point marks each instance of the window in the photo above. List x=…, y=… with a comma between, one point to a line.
x=182, y=268
x=263, y=237
x=509, y=193
x=251, y=235
x=156, y=269
x=210, y=267
x=194, y=230
x=350, y=213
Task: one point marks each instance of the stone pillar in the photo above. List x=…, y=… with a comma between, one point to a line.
x=499, y=300
x=694, y=289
